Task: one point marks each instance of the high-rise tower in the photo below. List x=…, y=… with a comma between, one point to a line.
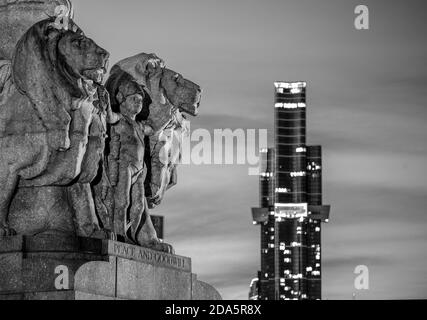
x=291, y=210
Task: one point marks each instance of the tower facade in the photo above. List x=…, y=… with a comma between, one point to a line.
x=291, y=211
x=266, y=200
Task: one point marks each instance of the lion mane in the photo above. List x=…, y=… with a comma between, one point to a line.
x=42, y=96
x=39, y=72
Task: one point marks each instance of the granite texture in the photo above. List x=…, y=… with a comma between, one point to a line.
x=138, y=281
x=45, y=117
x=203, y=291
x=17, y=16
x=97, y=270
x=97, y=278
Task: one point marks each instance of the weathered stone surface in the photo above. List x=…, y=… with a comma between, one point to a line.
x=165, y=88
x=60, y=243
x=125, y=200
x=89, y=296
x=139, y=281
x=97, y=269
x=12, y=244
x=56, y=295
x=54, y=112
x=36, y=210
x=146, y=255
x=10, y=272
x=51, y=242
x=38, y=272
x=11, y=296
x=203, y=291
x=97, y=278
x=149, y=99
x=17, y=16
x=27, y=264
x=49, y=295
x=45, y=116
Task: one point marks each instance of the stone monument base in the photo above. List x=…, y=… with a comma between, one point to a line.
x=58, y=267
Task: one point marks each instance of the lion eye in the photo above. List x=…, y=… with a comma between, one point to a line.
x=78, y=42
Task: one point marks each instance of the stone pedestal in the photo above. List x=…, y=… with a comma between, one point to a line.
x=57, y=267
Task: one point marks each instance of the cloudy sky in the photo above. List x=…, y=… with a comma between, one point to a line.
x=367, y=107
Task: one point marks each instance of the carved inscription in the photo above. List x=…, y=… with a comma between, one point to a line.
x=149, y=256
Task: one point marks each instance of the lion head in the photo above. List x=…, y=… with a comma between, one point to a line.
x=81, y=57
x=56, y=68
x=173, y=92
x=182, y=93
x=165, y=146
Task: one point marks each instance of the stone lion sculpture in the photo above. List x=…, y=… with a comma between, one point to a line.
x=166, y=92
x=163, y=156
x=185, y=96
x=46, y=105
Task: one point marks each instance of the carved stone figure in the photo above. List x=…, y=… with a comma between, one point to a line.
x=126, y=162
x=54, y=118
x=184, y=95
x=74, y=167
x=46, y=110
x=165, y=146
x=123, y=202
x=80, y=192
x=164, y=156
x=160, y=123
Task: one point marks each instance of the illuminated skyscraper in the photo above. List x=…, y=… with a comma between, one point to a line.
x=265, y=216
x=291, y=209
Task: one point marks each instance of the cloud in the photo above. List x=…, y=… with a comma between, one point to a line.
x=366, y=107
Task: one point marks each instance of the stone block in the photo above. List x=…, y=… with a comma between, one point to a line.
x=12, y=296
x=35, y=210
x=97, y=278
x=143, y=281
x=50, y=295
x=95, y=270
x=10, y=272
x=202, y=291
x=11, y=244
x=145, y=255
x=59, y=242
x=39, y=272
x=89, y=296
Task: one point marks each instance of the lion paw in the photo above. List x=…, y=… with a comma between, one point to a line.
x=104, y=234
x=157, y=245
x=7, y=232
x=164, y=247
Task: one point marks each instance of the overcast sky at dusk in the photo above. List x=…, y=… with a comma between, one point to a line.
x=367, y=107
